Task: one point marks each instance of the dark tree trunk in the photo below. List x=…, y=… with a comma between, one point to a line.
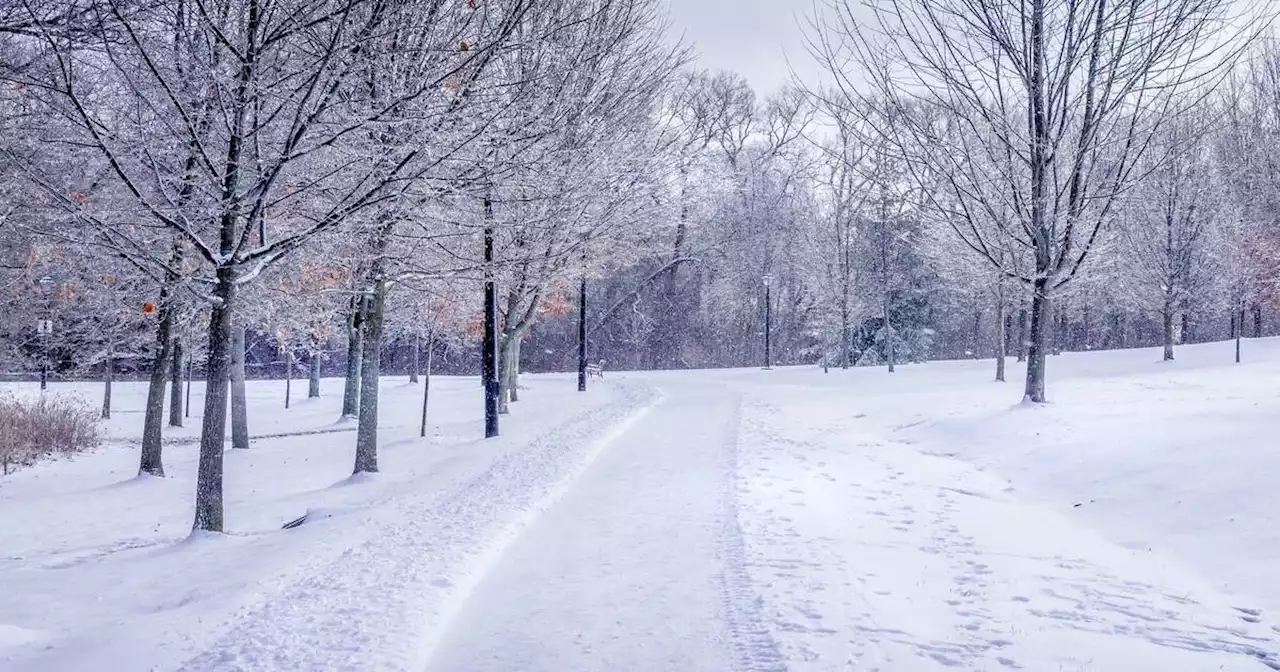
x=288, y=376
x=108, y=373
x=313, y=374
x=370, y=370
x=667, y=339
x=890, y=349
x=1186, y=328
x=1086, y=329
x=1239, y=331
x=152, y=459
x=191, y=365
x=846, y=336
x=489, y=346
x=1257, y=320
x=1000, y=340
x=426, y=383
x=768, y=327
x=175, y=384
x=1022, y=335
x=582, y=335
x=1041, y=322
x=515, y=368
x=1166, y=316
x=214, y=423
x=355, y=346
x=417, y=347
x=977, y=334
x=506, y=354
x=239, y=404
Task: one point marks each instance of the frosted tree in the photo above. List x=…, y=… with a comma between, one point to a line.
x=842, y=147
x=187, y=112
x=1165, y=221
x=1056, y=100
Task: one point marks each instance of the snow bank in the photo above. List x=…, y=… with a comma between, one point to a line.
x=100, y=565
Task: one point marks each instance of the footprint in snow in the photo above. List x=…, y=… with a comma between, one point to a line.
x=1249, y=614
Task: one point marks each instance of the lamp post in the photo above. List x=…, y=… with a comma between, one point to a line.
x=768, y=322
x=44, y=329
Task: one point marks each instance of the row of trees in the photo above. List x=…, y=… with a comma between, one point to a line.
x=976, y=179
x=179, y=172
x=335, y=182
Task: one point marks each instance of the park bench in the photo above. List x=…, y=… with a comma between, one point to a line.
x=596, y=370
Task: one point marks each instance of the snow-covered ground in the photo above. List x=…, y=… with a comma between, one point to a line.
x=711, y=520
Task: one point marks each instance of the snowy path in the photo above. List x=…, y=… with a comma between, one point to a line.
x=639, y=567
x=756, y=527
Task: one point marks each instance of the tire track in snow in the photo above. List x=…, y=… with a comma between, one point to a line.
x=753, y=644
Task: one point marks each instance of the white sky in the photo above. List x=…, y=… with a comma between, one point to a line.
x=751, y=37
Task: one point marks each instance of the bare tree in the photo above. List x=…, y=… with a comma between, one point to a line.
x=1030, y=116
x=1165, y=221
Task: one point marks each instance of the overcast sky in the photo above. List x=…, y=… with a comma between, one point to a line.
x=751, y=37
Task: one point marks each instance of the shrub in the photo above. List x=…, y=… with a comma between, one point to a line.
x=31, y=429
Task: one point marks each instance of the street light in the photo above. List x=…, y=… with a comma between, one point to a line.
x=44, y=328
x=768, y=322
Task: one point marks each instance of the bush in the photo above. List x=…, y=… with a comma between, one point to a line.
x=31, y=429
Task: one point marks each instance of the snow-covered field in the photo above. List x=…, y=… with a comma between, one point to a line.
x=712, y=520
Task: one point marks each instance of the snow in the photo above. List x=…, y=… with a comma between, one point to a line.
x=706, y=520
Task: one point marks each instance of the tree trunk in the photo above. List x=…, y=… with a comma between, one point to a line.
x=489, y=345
x=288, y=376
x=370, y=371
x=1036, y=342
x=175, y=384
x=426, y=383
x=1022, y=334
x=1186, y=328
x=190, y=371
x=239, y=404
x=977, y=334
x=891, y=350
x=845, y=335
x=582, y=335
x=1167, y=323
x=152, y=459
x=1000, y=339
x=313, y=374
x=1239, y=331
x=417, y=346
x=1086, y=329
x=1257, y=320
x=355, y=346
x=515, y=369
x=505, y=355
x=214, y=424
x=108, y=373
